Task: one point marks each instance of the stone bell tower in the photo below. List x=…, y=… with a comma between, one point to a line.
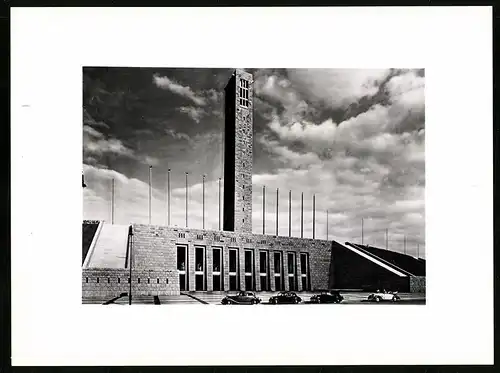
x=238, y=152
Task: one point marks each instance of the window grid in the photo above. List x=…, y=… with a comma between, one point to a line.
x=243, y=89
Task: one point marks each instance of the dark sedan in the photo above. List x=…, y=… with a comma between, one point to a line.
x=243, y=297
x=285, y=297
x=327, y=297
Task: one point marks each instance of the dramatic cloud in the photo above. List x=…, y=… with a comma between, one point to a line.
x=185, y=91
x=96, y=145
x=177, y=135
x=193, y=112
x=337, y=88
x=278, y=90
x=352, y=139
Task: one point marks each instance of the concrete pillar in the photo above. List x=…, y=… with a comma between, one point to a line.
x=241, y=269
x=191, y=267
x=209, y=268
x=272, y=284
x=225, y=267
x=257, y=269
x=298, y=271
x=284, y=274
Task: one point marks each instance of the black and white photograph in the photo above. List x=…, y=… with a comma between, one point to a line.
x=291, y=186
x=253, y=186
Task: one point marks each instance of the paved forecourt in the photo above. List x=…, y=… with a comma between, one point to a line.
x=207, y=298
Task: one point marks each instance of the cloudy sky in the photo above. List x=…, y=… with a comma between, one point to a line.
x=352, y=137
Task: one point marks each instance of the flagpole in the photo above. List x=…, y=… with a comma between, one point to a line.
x=290, y=213
x=112, y=201
x=168, y=197
x=314, y=216
x=362, y=233
x=302, y=216
x=264, y=209
x=203, y=203
x=186, y=199
x=277, y=210
x=327, y=224
x=150, y=171
x=219, y=203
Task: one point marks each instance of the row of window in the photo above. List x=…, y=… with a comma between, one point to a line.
x=128, y=280
x=263, y=265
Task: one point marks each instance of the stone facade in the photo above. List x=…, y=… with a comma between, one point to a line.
x=417, y=284
x=238, y=153
x=155, y=248
x=102, y=283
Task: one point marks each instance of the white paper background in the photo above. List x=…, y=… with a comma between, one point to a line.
x=49, y=48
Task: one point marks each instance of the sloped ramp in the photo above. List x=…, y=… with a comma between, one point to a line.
x=381, y=259
x=373, y=259
x=110, y=250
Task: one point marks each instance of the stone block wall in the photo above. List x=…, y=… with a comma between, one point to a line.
x=107, y=283
x=417, y=284
x=155, y=247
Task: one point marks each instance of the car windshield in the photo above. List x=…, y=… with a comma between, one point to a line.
x=281, y=294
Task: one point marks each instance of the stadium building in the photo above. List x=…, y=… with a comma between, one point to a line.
x=163, y=260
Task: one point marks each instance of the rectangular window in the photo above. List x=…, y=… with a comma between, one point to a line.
x=233, y=286
x=232, y=260
x=243, y=91
x=217, y=269
x=291, y=272
x=263, y=262
x=249, y=270
x=248, y=261
x=263, y=271
x=304, y=269
x=277, y=263
x=182, y=267
x=277, y=283
x=233, y=269
x=277, y=271
x=291, y=263
x=199, y=268
x=303, y=262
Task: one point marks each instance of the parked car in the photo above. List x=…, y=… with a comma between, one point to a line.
x=285, y=297
x=243, y=297
x=384, y=296
x=327, y=297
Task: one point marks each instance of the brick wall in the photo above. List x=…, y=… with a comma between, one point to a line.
x=238, y=155
x=107, y=283
x=154, y=257
x=417, y=284
x=155, y=247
